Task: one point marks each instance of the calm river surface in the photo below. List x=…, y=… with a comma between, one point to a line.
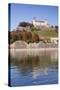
x=33, y=67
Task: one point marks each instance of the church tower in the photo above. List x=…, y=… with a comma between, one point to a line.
x=34, y=21
x=46, y=21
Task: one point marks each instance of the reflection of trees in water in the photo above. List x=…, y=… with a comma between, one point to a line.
x=34, y=63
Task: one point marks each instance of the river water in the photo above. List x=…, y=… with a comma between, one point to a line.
x=33, y=67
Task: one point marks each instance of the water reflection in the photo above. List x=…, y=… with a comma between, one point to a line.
x=34, y=63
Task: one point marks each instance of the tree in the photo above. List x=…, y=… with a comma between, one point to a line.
x=56, y=29
x=35, y=37
x=52, y=26
x=24, y=24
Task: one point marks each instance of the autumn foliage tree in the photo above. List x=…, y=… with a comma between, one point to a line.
x=35, y=37
x=24, y=36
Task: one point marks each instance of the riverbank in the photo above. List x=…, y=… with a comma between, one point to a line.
x=42, y=46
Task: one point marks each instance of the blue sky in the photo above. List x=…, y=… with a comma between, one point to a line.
x=25, y=12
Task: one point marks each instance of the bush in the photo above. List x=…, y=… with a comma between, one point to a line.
x=23, y=35
x=35, y=37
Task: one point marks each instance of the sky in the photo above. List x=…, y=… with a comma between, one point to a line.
x=26, y=12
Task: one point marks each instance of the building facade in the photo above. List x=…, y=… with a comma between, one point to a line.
x=39, y=24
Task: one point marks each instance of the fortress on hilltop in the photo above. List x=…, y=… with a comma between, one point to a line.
x=39, y=24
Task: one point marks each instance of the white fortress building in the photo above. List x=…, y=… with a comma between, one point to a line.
x=39, y=24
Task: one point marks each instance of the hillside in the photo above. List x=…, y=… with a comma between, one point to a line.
x=46, y=33
x=28, y=33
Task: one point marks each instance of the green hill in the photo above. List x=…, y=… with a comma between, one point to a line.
x=46, y=33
